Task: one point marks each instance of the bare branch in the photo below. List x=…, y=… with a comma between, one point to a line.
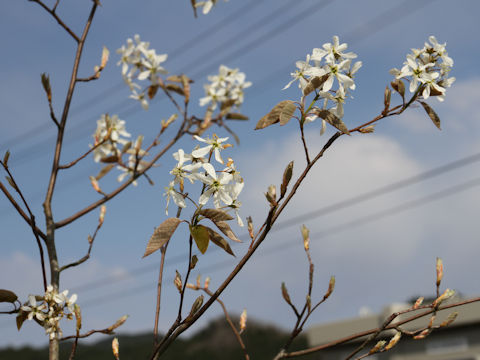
x=373, y=331
x=31, y=220
x=232, y=325
x=122, y=187
x=55, y=16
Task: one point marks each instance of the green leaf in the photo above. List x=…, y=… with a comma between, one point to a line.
x=201, y=236
x=432, y=114
x=314, y=83
x=215, y=214
x=218, y=240
x=287, y=176
x=332, y=120
x=282, y=112
x=161, y=235
x=7, y=296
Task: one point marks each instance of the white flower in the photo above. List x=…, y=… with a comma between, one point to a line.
x=332, y=52
x=229, y=84
x=207, y=5
x=304, y=69
x=33, y=309
x=235, y=190
x=182, y=170
x=115, y=128
x=177, y=197
x=216, y=186
x=214, y=144
x=334, y=71
x=141, y=98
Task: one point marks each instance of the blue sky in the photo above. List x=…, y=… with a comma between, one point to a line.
x=376, y=259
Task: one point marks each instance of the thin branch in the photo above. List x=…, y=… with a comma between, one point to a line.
x=122, y=187
x=32, y=223
x=230, y=322
x=305, y=148
x=20, y=211
x=163, y=251
x=55, y=16
x=272, y=216
x=373, y=331
x=87, y=256
x=72, y=163
x=182, y=293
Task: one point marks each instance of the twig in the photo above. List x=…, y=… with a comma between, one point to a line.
x=182, y=293
x=72, y=163
x=122, y=187
x=87, y=256
x=55, y=16
x=163, y=251
x=271, y=218
x=32, y=223
x=373, y=331
x=305, y=148
x=20, y=211
x=232, y=325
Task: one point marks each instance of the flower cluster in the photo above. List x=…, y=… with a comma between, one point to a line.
x=223, y=186
x=207, y=5
x=141, y=63
x=110, y=133
x=49, y=309
x=427, y=70
x=334, y=66
x=225, y=87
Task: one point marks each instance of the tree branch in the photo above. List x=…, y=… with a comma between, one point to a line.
x=373, y=331
x=55, y=16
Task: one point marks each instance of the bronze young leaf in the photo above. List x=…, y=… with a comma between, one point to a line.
x=161, y=235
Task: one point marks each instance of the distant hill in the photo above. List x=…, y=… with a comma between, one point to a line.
x=214, y=342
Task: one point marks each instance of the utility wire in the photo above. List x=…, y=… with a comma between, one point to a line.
x=346, y=226
x=106, y=93
x=340, y=205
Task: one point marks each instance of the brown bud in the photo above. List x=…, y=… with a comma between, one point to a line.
x=178, y=281
x=331, y=287
x=439, y=267
x=116, y=348
x=306, y=237
x=378, y=346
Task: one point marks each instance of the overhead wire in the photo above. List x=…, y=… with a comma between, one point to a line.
x=337, y=206
x=339, y=228
x=128, y=109
x=111, y=90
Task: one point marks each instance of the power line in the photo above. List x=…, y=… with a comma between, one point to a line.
x=106, y=93
x=346, y=226
x=340, y=205
x=361, y=32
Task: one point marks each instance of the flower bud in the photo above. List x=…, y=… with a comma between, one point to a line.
x=271, y=195
x=103, y=210
x=439, y=267
x=243, y=320
x=306, y=237
x=178, y=281
x=378, y=346
x=116, y=348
